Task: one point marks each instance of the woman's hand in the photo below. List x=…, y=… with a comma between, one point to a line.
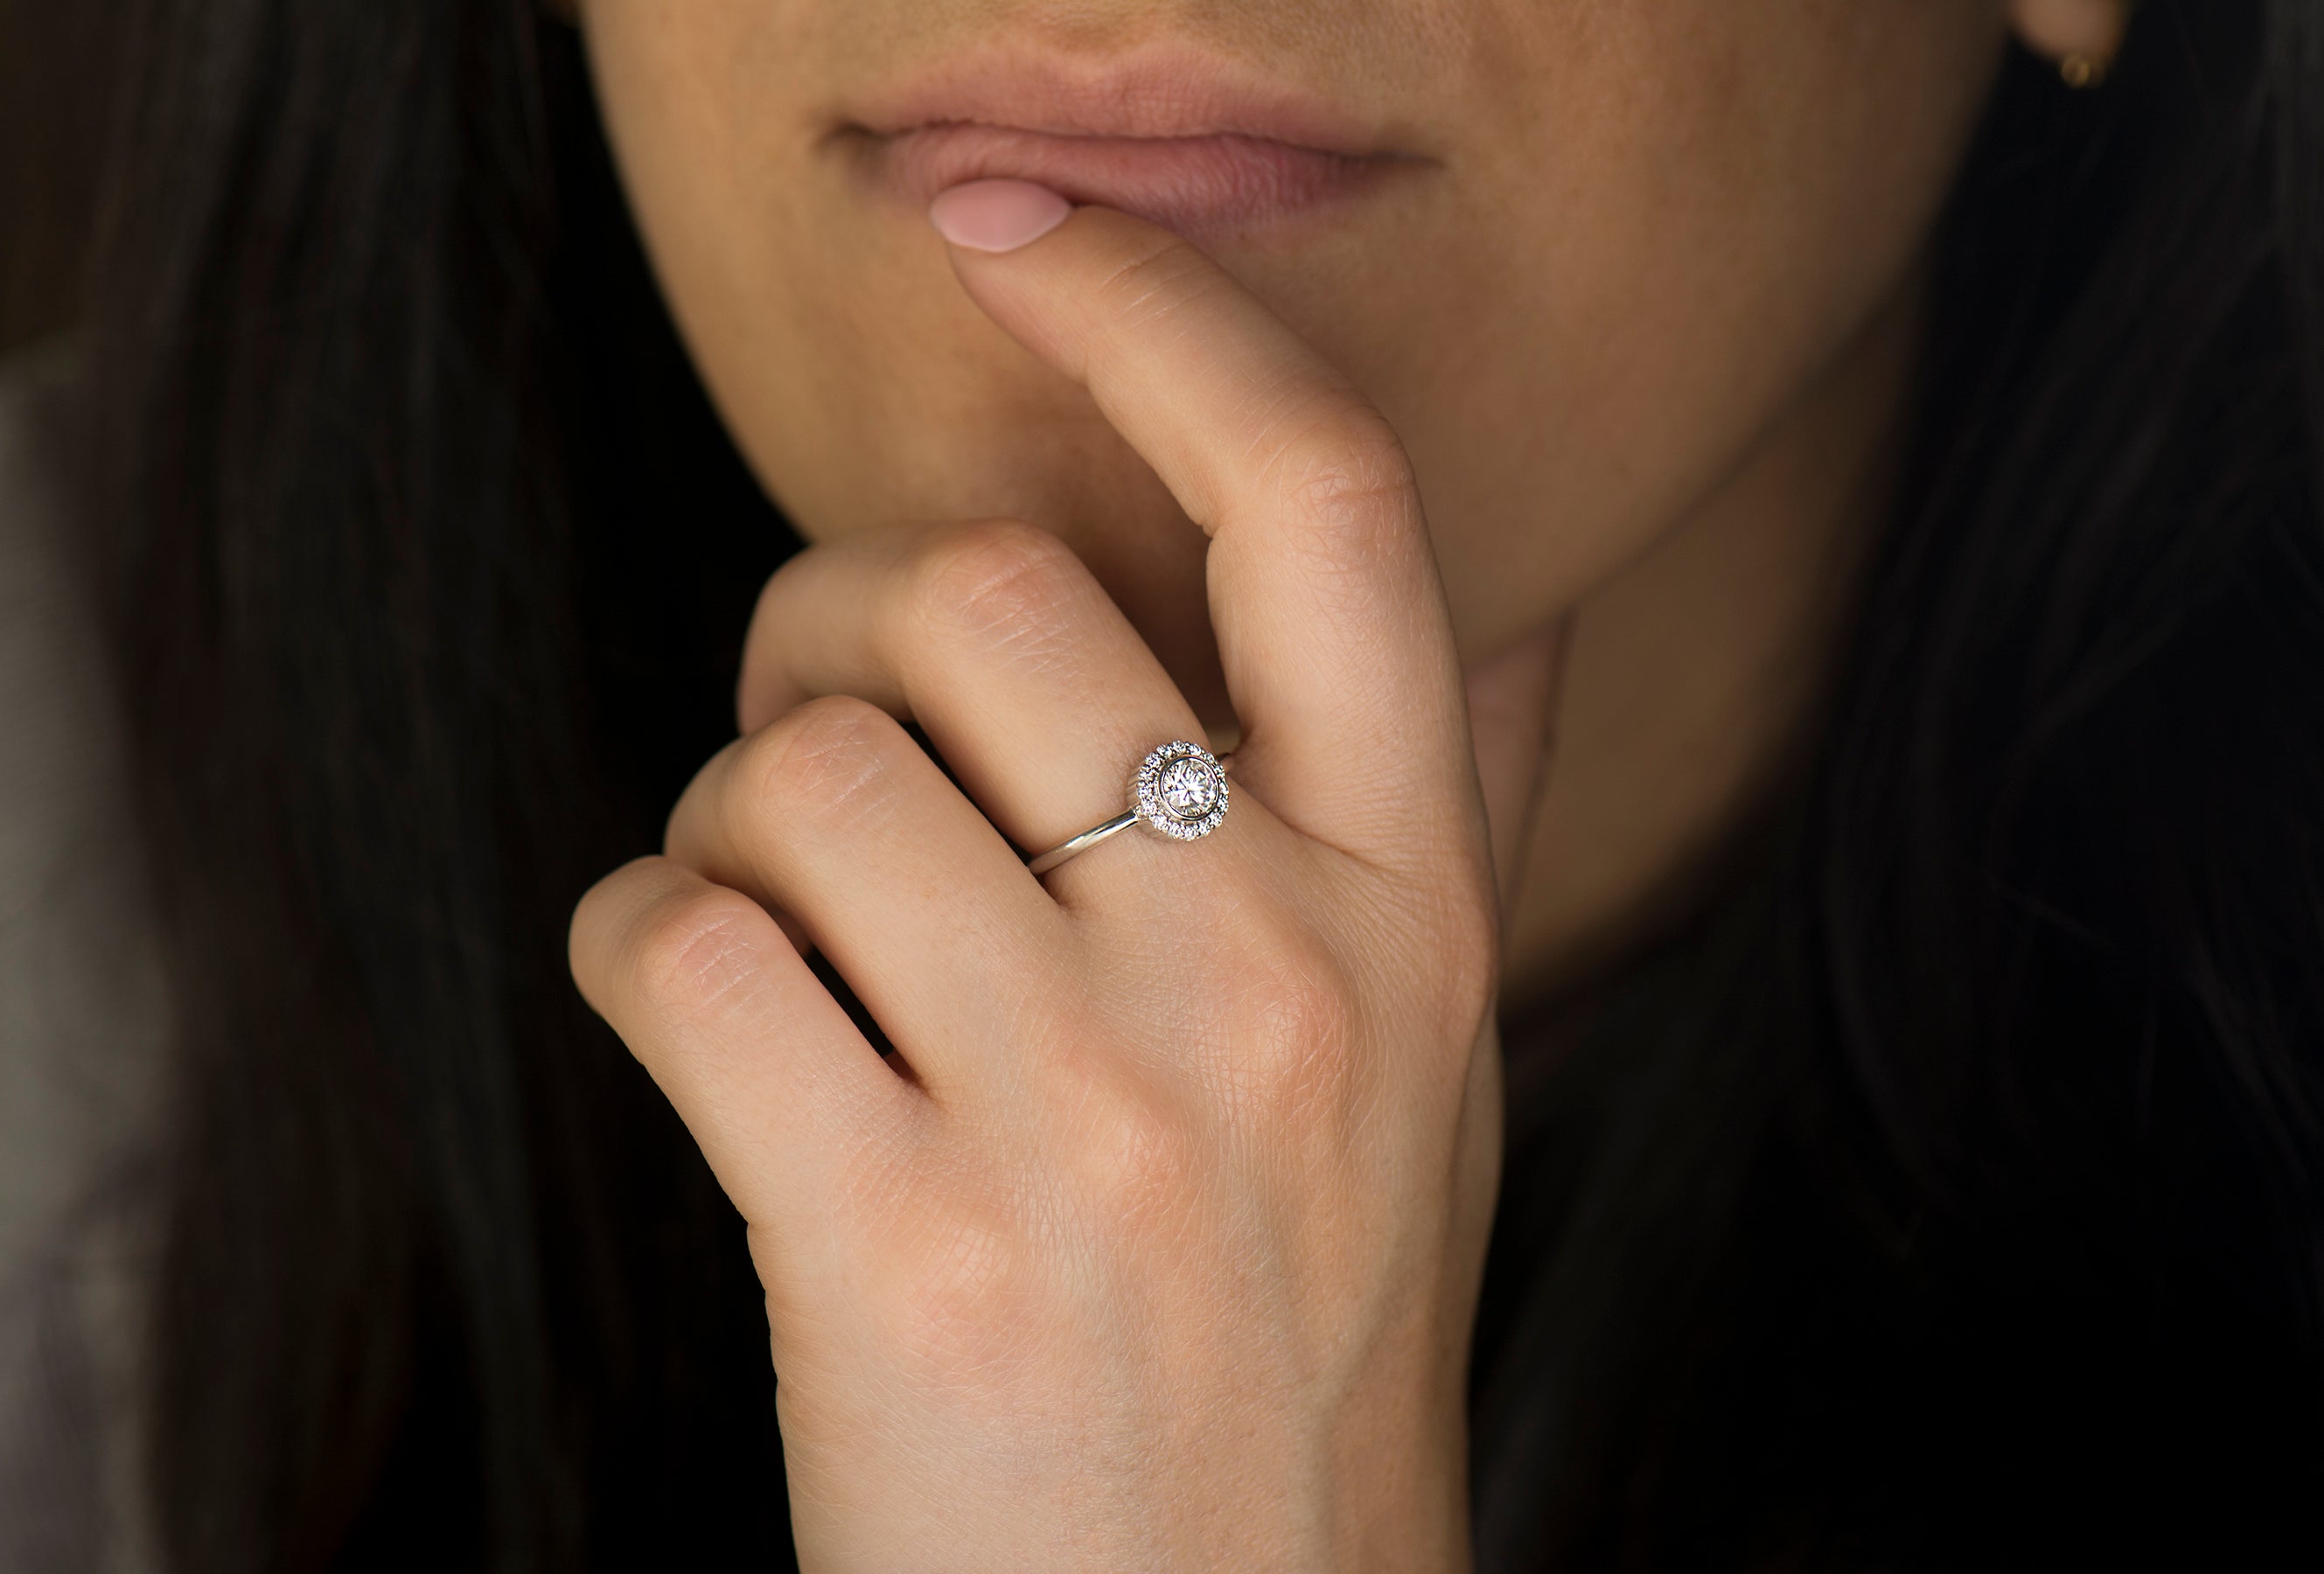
x=1157, y=1244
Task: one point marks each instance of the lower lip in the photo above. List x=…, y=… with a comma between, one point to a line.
x=1193, y=184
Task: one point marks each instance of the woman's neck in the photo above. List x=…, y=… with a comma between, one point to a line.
x=1695, y=677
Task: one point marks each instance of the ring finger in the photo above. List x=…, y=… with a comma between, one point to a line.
x=997, y=640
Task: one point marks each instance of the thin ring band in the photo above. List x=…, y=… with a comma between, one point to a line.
x=1180, y=790
x=1082, y=842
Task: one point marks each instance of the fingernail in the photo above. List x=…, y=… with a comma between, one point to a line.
x=997, y=216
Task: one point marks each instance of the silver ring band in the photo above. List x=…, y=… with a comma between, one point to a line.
x=1180, y=790
x=1082, y=842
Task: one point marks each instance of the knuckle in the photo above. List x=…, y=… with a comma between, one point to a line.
x=1304, y=1026
x=692, y=950
x=1133, y=1154
x=996, y=582
x=1295, y=1022
x=959, y=1300
x=1344, y=476
x=828, y=757
x=1350, y=468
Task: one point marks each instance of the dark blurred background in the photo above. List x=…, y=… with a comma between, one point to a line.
x=52, y=119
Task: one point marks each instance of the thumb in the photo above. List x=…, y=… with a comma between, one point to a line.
x=1512, y=710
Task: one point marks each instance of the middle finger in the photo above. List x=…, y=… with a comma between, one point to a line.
x=833, y=817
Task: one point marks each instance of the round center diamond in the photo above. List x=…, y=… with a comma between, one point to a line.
x=1189, y=788
x=1180, y=790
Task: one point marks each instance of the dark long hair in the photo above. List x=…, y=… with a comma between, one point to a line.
x=1953, y=1197
x=1967, y=1146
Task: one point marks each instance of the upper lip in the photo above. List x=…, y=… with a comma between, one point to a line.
x=1156, y=91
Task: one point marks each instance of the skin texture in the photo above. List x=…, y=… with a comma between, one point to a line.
x=1156, y=1250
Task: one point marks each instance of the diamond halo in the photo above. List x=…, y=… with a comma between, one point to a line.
x=1181, y=790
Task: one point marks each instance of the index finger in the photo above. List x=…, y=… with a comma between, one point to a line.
x=1331, y=619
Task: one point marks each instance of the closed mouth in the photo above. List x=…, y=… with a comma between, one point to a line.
x=1191, y=183
x=1188, y=139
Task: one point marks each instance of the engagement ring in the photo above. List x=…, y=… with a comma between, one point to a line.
x=1180, y=790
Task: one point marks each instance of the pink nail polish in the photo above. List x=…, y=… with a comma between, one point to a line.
x=997, y=216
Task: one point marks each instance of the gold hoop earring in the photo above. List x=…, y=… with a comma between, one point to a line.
x=2082, y=72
